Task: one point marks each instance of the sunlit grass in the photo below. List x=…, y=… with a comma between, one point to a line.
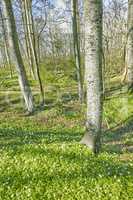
x=41, y=158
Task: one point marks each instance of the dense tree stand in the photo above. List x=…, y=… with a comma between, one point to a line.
x=15, y=51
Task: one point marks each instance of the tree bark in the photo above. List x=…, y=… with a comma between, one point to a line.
x=129, y=56
x=7, y=54
x=93, y=70
x=76, y=45
x=14, y=47
x=31, y=35
x=27, y=40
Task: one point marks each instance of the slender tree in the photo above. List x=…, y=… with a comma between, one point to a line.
x=129, y=51
x=7, y=53
x=93, y=67
x=27, y=8
x=14, y=47
x=76, y=44
x=27, y=40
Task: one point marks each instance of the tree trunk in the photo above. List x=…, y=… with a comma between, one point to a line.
x=31, y=34
x=14, y=47
x=7, y=54
x=129, y=56
x=76, y=44
x=93, y=67
x=27, y=40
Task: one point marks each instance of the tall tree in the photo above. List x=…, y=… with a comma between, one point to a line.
x=27, y=40
x=14, y=47
x=76, y=44
x=129, y=51
x=7, y=53
x=27, y=13
x=93, y=66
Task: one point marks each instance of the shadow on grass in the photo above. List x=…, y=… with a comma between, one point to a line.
x=65, y=165
x=116, y=91
x=17, y=137
x=117, y=87
x=115, y=140
x=7, y=104
x=63, y=168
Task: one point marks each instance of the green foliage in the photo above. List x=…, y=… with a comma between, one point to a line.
x=40, y=155
x=40, y=158
x=60, y=71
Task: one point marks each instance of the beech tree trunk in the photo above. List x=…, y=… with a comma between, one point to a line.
x=76, y=43
x=27, y=40
x=6, y=46
x=14, y=47
x=32, y=44
x=129, y=55
x=93, y=70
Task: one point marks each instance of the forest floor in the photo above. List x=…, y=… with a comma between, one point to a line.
x=40, y=155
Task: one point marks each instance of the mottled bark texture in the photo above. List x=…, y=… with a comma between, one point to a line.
x=27, y=4
x=129, y=55
x=76, y=45
x=27, y=40
x=7, y=54
x=93, y=70
x=14, y=49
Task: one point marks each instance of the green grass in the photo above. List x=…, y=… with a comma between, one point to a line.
x=41, y=158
